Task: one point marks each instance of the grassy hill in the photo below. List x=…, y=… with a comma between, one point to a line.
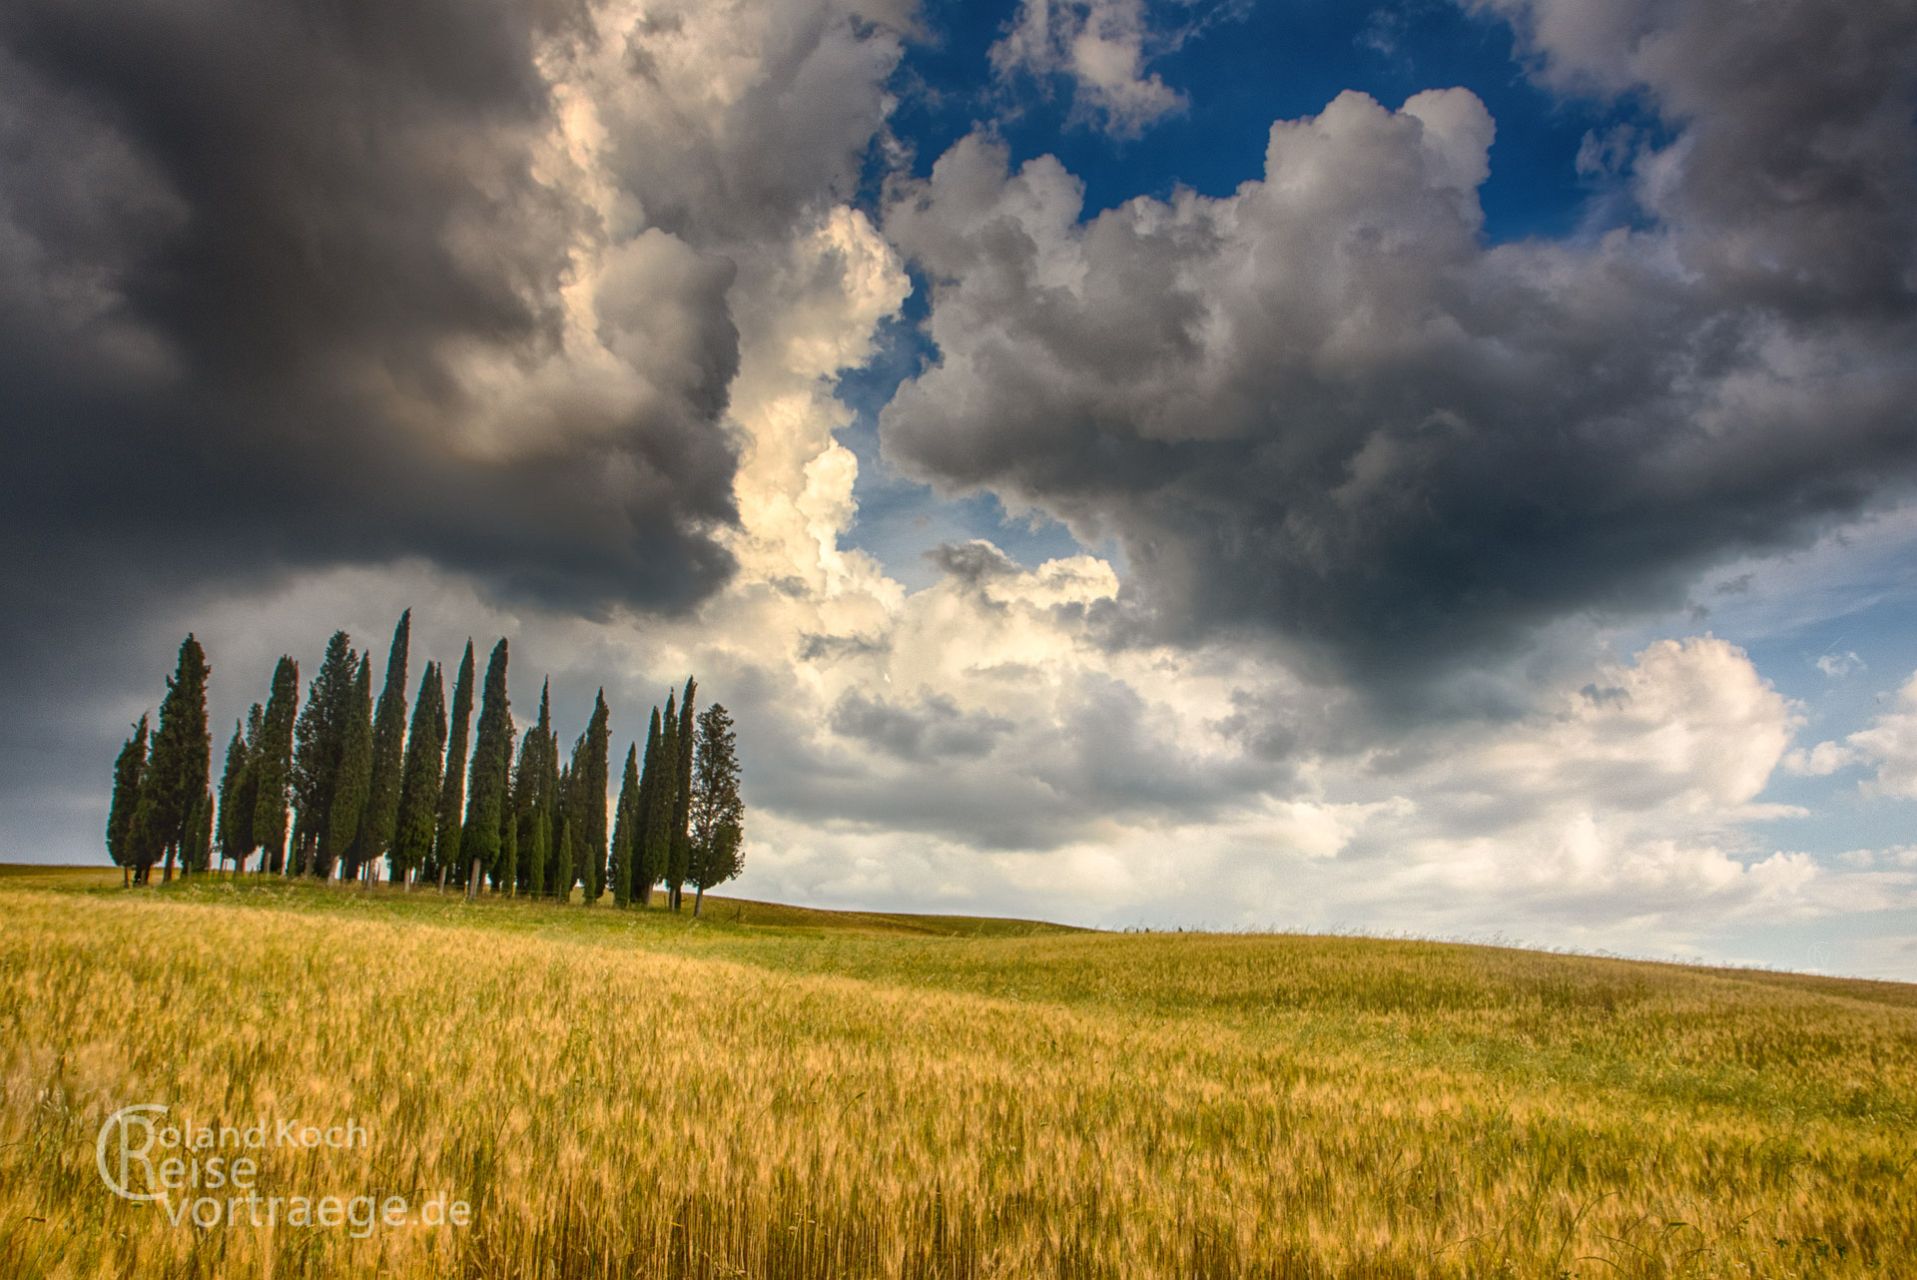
x=772, y=1091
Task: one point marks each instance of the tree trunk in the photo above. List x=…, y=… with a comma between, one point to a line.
x=698, y=900
x=166, y=877
x=442, y=877
x=472, y=882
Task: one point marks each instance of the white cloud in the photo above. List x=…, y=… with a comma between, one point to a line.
x=1103, y=46
x=1819, y=761
x=1839, y=665
x=1890, y=744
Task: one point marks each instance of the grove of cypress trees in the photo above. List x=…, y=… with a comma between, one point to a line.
x=128, y=768
x=389, y=748
x=416, y=820
x=718, y=812
x=319, y=742
x=452, y=795
x=177, y=765
x=273, y=766
x=681, y=854
x=591, y=814
x=345, y=821
x=624, y=812
x=492, y=758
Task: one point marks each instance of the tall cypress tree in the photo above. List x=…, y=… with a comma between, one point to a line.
x=492, y=757
x=554, y=793
x=681, y=855
x=273, y=766
x=533, y=800
x=671, y=851
x=718, y=812
x=655, y=803
x=452, y=795
x=244, y=839
x=414, y=826
x=389, y=747
x=236, y=814
x=565, y=856
x=345, y=822
x=568, y=864
x=128, y=768
x=624, y=812
x=319, y=742
x=593, y=782
x=196, y=841
x=182, y=750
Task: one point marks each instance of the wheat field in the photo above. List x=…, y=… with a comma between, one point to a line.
x=778, y=1093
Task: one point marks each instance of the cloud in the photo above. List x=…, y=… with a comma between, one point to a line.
x=1102, y=47
x=478, y=287
x=1839, y=665
x=1888, y=744
x=1323, y=409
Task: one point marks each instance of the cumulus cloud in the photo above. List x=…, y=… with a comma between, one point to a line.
x=1888, y=745
x=1839, y=665
x=1323, y=409
x=1102, y=47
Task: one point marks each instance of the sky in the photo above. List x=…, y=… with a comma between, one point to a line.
x=1426, y=468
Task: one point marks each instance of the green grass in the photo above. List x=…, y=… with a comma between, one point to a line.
x=775, y=1091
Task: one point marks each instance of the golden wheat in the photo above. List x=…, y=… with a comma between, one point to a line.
x=626, y=1094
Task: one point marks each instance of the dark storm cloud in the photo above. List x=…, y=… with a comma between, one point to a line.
x=277, y=287
x=1322, y=408
x=250, y=249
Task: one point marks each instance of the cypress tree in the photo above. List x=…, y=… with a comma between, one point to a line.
x=564, y=867
x=533, y=801
x=553, y=792
x=673, y=852
x=506, y=878
x=656, y=799
x=345, y=821
x=624, y=813
x=591, y=814
x=236, y=808
x=567, y=856
x=452, y=795
x=128, y=769
x=196, y=841
x=246, y=797
x=176, y=772
x=681, y=856
x=718, y=812
x=273, y=766
x=319, y=743
x=647, y=864
x=414, y=825
x=492, y=757
x=389, y=747
x=570, y=813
